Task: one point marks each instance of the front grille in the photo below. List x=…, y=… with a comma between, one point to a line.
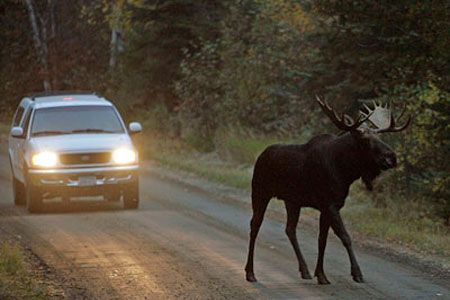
x=85, y=158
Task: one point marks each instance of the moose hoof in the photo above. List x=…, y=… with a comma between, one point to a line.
x=306, y=275
x=250, y=277
x=357, y=275
x=322, y=279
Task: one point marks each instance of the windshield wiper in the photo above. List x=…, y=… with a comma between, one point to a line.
x=92, y=130
x=49, y=132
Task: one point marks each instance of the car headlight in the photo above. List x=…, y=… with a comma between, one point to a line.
x=124, y=156
x=45, y=159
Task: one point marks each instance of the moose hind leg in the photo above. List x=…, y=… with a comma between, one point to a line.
x=259, y=205
x=323, y=235
x=293, y=214
x=341, y=232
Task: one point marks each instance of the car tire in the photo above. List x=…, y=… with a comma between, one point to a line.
x=34, y=197
x=18, y=192
x=131, y=195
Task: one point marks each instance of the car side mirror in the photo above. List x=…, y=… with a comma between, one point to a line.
x=135, y=127
x=17, y=132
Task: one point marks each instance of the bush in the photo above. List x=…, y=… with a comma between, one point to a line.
x=199, y=142
x=424, y=149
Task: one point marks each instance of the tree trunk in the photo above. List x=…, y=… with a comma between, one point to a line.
x=51, y=7
x=40, y=42
x=116, y=46
x=113, y=55
x=116, y=33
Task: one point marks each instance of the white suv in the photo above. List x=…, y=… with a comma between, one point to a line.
x=72, y=145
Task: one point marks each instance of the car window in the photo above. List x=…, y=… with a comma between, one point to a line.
x=26, y=123
x=76, y=119
x=18, y=116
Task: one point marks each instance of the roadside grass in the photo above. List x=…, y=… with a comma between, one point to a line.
x=16, y=281
x=238, y=176
x=241, y=146
x=177, y=155
x=399, y=222
x=232, y=164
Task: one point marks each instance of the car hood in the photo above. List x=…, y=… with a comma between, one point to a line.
x=79, y=142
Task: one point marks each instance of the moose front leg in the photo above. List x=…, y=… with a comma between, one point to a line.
x=341, y=232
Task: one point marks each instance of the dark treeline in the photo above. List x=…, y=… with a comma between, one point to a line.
x=207, y=65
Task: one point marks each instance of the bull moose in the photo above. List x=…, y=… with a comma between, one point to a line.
x=318, y=174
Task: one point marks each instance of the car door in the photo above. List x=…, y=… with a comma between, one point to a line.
x=21, y=142
x=15, y=143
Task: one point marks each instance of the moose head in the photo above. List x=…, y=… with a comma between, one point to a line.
x=374, y=155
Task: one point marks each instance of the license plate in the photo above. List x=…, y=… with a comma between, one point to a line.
x=87, y=180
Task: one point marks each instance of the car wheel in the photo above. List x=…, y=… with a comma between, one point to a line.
x=33, y=198
x=131, y=195
x=18, y=192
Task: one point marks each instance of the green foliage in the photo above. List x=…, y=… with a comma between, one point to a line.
x=159, y=32
x=200, y=90
x=11, y=259
x=369, y=48
x=157, y=119
x=17, y=62
x=253, y=75
x=272, y=56
x=424, y=149
x=199, y=142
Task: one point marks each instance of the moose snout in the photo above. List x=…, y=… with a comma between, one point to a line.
x=389, y=161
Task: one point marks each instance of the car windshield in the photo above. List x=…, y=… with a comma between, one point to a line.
x=75, y=119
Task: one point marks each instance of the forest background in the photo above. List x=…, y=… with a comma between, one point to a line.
x=224, y=79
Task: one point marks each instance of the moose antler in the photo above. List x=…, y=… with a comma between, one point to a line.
x=382, y=117
x=379, y=115
x=344, y=122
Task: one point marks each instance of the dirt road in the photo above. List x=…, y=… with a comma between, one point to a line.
x=187, y=243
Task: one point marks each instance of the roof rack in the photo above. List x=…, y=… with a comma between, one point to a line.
x=60, y=93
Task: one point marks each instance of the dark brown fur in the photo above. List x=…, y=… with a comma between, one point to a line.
x=317, y=174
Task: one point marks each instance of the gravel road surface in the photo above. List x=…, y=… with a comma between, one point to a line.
x=186, y=243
